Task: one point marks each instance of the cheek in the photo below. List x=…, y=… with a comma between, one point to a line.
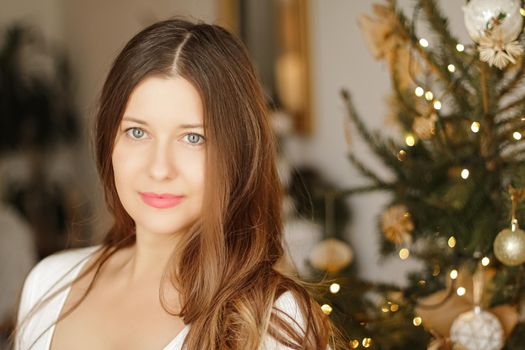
x=118, y=164
x=192, y=164
x=125, y=165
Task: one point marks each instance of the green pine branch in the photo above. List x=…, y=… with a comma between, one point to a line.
x=365, y=170
x=512, y=83
x=439, y=23
x=407, y=30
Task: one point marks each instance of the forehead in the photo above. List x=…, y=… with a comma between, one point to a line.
x=165, y=101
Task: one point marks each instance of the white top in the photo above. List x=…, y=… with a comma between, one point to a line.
x=67, y=264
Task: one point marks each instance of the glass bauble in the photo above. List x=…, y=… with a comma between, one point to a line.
x=477, y=330
x=509, y=247
x=501, y=15
x=331, y=255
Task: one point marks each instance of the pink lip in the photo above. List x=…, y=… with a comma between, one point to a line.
x=164, y=200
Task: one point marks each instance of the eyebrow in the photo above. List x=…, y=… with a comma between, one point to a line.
x=182, y=126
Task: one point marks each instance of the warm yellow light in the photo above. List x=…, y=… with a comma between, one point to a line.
x=335, y=287
x=404, y=253
x=419, y=91
x=423, y=42
x=453, y=274
x=451, y=241
x=474, y=127
x=522, y=11
x=354, y=344
x=451, y=68
x=394, y=307
x=327, y=309
x=367, y=342
x=460, y=47
x=385, y=308
x=401, y=156
x=429, y=95
x=485, y=261
x=461, y=291
x=516, y=135
x=410, y=140
x=465, y=174
x=417, y=321
x=437, y=105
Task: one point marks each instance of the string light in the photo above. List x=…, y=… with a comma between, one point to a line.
x=423, y=42
x=385, y=308
x=404, y=253
x=335, y=287
x=394, y=307
x=354, y=344
x=516, y=135
x=474, y=127
x=460, y=47
x=485, y=261
x=437, y=105
x=461, y=291
x=429, y=95
x=410, y=140
x=367, y=342
x=453, y=274
x=451, y=68
x=451, y=241
x=522, y=11
x=465, y=174
x=419, y=91
x=327, y=309
x=417, y=321
x=401, y=155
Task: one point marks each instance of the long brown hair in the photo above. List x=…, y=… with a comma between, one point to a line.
x=224, y=268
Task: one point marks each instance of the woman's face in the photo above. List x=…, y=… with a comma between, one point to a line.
x=159, y=156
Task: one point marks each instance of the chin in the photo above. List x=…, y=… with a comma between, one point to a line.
x=163, y=226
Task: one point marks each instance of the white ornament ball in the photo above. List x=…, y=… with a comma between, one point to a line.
x=481, y=15
x=331, y=255
x=477, y=330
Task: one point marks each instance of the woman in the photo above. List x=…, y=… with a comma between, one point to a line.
x=186, y=157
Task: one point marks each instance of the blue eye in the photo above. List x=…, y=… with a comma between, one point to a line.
x=195, y=139
x=135, y=133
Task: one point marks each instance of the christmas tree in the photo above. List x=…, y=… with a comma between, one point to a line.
x=459, y=174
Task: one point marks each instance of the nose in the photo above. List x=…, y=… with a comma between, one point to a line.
x=161, y=165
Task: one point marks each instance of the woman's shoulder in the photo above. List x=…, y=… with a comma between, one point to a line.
x=61, y=262
x=50, y=270
x=67, y=256
x=288, y=310
x=287, y=302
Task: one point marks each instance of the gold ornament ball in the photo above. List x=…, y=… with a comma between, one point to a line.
x=331, y=255
x=509, y=247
